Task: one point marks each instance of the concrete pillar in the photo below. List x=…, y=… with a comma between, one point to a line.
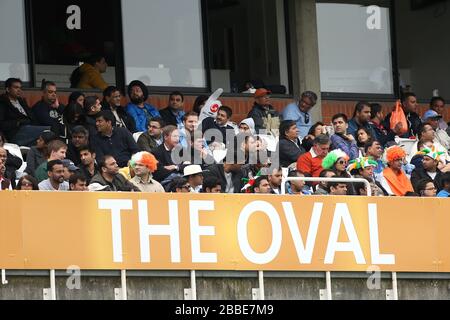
x=305, y=50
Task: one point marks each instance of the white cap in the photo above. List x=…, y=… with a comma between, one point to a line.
x=96, y=187
x=192, y=169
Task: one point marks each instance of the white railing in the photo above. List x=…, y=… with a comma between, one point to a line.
x=319, y=179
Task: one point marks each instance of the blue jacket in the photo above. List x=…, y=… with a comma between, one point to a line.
x=141, y=115
x=349, y=147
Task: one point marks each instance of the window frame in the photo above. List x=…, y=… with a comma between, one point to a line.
x=120, y=57
x=326, y=95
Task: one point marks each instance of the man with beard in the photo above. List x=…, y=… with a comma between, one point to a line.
x=110, y=177
x=112, y=98
x=80, y=137
x=55, y=181
x=88, y=164
x=138, y=109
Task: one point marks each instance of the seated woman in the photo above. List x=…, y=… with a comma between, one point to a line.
x=289, y=147
x=317, y=129
x=426, y=188
x=362, y=137
x=337, y=161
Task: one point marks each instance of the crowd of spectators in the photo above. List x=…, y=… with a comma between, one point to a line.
x=96, y=144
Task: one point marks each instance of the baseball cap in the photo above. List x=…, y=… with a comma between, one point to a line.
x=261, y=92
x=429, y=114
x=69, y=164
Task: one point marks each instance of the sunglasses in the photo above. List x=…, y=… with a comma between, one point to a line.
x=306, y=118
x=342, y=162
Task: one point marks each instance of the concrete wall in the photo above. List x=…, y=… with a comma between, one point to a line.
x=169, y=285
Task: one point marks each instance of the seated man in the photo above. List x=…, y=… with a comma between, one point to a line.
x=174, y=113
x=264, y=114
x=56, y=150
x=88, y=164
x=189, y=125
x=429, y=169
x=340, y=139
x=16, y=118
x=48, y=111
x=112, y=97
x=194, y=175
x=167, y=168
x=218, y=130
x=153, y=137
x=211, y=185
x=138, y=109
x=77, y=182
x=80, y=137
x=111, y=140
x=275, y=178
x=55, y=181
x=144, y=164
x=109, y=176
x=88, y=75
x=262, y=185
x=337, y=188
x=12, y=163
x=299, y=112
x=310, y=162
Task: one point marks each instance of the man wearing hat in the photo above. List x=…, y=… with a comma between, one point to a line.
x=69, y=169
x=429, y=169
x=194, y=175
x=438, y=104
x=432, y=118
x=299, y=112
x=138, y=109
x=265, y=116
x=144, y=164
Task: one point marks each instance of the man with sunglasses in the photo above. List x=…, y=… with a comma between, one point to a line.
x=299, y=112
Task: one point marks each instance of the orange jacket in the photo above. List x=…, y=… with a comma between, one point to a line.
x=91, y=78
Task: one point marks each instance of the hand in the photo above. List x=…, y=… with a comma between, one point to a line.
x=204, y=153
x=398, y=128
x=171, y=167
x=350, y=137
x=55, y=105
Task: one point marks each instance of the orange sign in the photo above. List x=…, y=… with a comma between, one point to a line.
x=49, y=230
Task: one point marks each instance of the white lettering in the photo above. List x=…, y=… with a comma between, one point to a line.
x=74, y=20
x=304, y=253
x=376, y=256
x=197, y=231
x=342, y=213
x=272, y=252
x=171, y=230
x=374, y=20
x=116, y=206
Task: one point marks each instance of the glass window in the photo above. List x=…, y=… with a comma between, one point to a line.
x=163, y=43
x=355, y=47
x=247, y=44
x=13, y=51
x=423, y=48
x=68, y=32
